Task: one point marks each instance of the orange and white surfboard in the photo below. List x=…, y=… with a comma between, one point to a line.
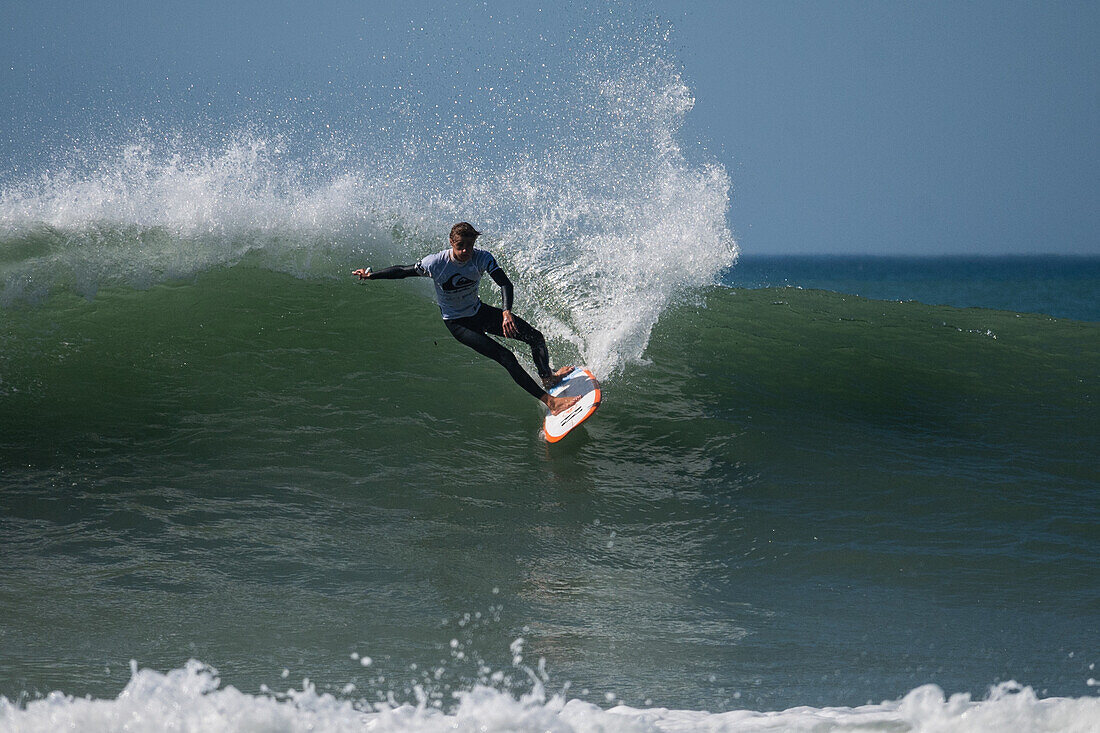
x=579, y=382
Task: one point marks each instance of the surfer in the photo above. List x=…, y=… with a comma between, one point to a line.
x=456, y=273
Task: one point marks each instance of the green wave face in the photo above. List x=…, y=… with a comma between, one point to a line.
x=828, y=367
x=829, y=354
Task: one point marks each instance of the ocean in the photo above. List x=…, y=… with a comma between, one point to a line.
x=863, y=512
x=240, y=490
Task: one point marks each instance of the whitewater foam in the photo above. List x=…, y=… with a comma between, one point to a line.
x=192, y=698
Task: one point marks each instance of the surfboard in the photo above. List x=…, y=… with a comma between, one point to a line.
x=580, y=382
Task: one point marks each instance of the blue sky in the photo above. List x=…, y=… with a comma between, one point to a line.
x=903, y=127
x=863, y=127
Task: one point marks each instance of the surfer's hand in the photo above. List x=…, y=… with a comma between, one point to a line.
x=364, y=274
x=509, y=325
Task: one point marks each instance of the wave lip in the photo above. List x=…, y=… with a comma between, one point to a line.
x=151, y=211
x=192, y=698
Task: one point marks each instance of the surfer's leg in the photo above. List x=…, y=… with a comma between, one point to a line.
x=485, y=346
x=531, y=336
x=489, y=318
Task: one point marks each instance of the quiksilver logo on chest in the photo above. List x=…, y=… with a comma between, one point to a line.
x=457, y=281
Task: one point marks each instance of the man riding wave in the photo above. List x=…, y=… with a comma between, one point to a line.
x=456, y=273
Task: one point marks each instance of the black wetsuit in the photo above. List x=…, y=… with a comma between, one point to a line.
x=473, y=330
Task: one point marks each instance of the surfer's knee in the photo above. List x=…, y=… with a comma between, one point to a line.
x=530, y=335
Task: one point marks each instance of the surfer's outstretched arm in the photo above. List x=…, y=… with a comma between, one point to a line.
x=396, y=272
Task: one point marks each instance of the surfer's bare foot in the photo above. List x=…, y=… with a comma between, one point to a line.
x=553, y=379
x=559, y=404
